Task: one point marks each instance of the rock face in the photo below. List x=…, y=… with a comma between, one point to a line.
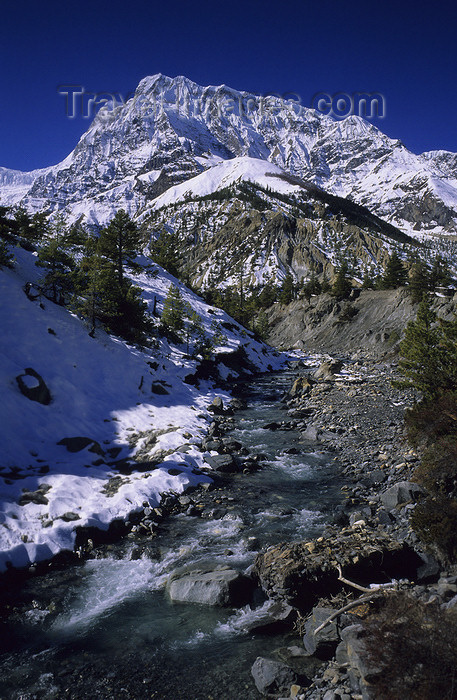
x=376, y=324
x=33, y=386
x=219, y=587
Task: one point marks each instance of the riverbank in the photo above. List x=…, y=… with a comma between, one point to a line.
x=352, y=409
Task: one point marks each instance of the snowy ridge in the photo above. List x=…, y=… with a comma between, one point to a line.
x=101, y=390
x=223, y=175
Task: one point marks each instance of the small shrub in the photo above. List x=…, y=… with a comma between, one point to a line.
x=437, y=471
x=435, y=522
x=414, y=645
x=429, y=420
x=347, y=314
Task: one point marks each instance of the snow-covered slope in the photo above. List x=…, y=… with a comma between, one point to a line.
x=102, y=390
x=172, y=129
x=225, y=174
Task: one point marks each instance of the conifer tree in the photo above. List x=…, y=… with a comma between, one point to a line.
x=118, y=307
x=55, y=257
x=342, y=287
x=120, y=242
x=164, y=252
x=173, y=313
x=32, y=228
x=6, y=257
x=325, y=284
x=268, y=295
x=287, y=291
x=395, y=274
x=262, y=325
x=419, y=281
x=429, y=354
x=439, y=274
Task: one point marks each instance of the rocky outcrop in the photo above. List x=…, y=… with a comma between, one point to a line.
x=373, y=322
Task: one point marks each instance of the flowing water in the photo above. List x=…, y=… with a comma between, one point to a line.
x=107, y=629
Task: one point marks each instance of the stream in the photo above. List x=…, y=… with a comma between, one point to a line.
x=107, y=629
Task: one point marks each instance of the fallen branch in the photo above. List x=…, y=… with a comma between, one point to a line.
x=349, y=606
x=351, y=583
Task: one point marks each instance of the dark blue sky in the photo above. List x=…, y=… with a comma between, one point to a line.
x=406, y=51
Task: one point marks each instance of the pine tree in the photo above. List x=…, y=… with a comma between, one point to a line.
x=325, y=284
x=342, y=287
x=56, y=258
x=6, y=257
x=164, y=252
x=429, y=354
x=120, y=242
x=367, y=282
x=268, y=295
x=118, y=307
x=439, y=274
x=173, y=314
x=419, y=281
x=32, y=228
x=262, y=325
x=287, y=292
x=395, y=274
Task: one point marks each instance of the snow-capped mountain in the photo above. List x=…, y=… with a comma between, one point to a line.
x=172, y=130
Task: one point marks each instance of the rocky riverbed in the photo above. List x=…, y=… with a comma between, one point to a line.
x=350, y=407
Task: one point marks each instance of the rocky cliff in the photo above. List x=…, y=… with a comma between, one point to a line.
x=370, y=321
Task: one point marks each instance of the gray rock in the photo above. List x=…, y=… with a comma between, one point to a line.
x=272, y=676
x=353, y=637
x=33, y=386
x=312, y=432
x=324, y=643
x=217, y=406
x=328, y=369
x=159, y=389
x=429, y=569
x=219, y=587
x=222, y=463
x=277, y=616
x=400, y=493
x=301, y=387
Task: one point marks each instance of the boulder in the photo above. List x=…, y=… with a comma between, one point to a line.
x=403, y=492
x=224, y=464
x=217, y=406
x=323, y=644
x=159, y=389
x=272, y=676
x=312, y=433
x=276, y=617
x=33, y=386
x=328, y=369
x=301, y=387
x=360, y=660
x=217, y=587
